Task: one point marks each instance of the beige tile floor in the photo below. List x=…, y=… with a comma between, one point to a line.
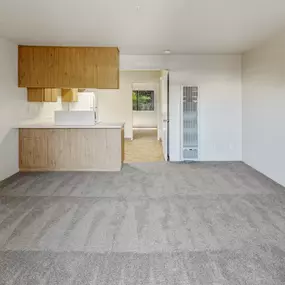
x=144, y=147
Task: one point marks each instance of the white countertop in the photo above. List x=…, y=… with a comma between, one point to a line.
x=99, y=125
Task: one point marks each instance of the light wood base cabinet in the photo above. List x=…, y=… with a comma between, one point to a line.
x=70, y=149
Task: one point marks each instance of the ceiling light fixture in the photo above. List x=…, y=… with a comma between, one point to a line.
x=167, y=51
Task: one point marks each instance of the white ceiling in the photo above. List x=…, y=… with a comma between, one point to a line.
x=183, y=26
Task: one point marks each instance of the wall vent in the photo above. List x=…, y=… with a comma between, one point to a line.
x=190, y=123
x=190, y=153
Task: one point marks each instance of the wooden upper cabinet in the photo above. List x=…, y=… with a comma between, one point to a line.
x=108, y=73
x=42, y=94
x=69, y=95
x=68, y=67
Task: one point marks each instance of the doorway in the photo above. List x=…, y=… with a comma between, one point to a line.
x=146, y=144
x=149, y=118
x=118, y=106
x=145, y=147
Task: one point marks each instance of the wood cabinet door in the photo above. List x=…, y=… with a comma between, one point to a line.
x=38, y=66
x=35, y=94
x=33, y=145
x=108, y=70
x=68, y=67
x=48, y=95
x=69, y=95
x=54, y=94
x=42, y=95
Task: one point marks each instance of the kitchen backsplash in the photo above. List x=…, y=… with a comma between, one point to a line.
x=44, y=112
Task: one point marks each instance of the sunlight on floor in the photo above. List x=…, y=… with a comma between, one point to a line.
x=144, y=147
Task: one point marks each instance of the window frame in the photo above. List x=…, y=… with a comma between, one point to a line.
x=152, y=93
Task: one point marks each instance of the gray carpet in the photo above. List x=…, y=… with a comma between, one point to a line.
x=156, y=223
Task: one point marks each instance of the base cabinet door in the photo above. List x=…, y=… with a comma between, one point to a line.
x=33, y=149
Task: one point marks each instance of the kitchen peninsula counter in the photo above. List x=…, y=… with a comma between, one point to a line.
x=47, y=125
x=49, y=147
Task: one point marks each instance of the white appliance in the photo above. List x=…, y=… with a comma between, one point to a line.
x=75, y=118
x=87, y=101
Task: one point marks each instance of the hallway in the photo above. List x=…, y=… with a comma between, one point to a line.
x=144, y=147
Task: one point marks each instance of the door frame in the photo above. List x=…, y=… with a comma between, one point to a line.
x=168, y=120
x=168, y=103
x=164, y=116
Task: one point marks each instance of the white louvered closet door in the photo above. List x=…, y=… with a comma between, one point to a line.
x=190, y=123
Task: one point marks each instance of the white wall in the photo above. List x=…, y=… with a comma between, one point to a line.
x=264, y=108
x=116, y=105
x=219, y=81
x=12, y=108
x=44, y=112
x=15, y=109
x=145, y=119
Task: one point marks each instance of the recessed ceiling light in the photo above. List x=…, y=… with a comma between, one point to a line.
x=167, y=51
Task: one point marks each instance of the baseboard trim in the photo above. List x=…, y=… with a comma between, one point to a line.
x=7, y=179
x=23, y=170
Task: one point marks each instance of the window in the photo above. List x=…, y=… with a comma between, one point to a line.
x=143, y=100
